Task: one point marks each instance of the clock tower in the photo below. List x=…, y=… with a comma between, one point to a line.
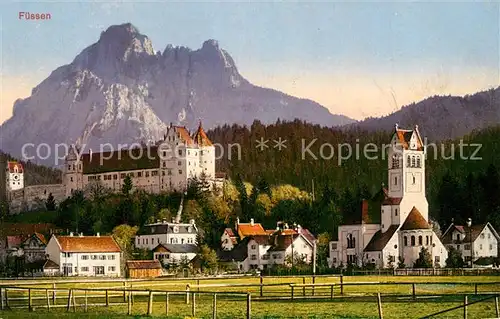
x=15, y=176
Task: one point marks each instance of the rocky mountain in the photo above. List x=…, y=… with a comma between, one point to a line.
x=119, y=90
x=443, y=117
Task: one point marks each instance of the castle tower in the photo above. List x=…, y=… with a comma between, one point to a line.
x=73, y=171
x=15, y=176
x=206, y=154
x=406, y=177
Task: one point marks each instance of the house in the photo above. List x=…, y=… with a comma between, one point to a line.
x=482, y=238
x=395, y=223
x=174, y=253
x=34, y=248
x=143, y=268
x=84, y=255
x=163, y=232
x=257, y=248
x=13, y=236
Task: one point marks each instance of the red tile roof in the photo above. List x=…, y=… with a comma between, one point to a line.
x=201, y=137
x=308, y=235
x=404, y=137
x=15, y=241
x=41, y=237
x=250, y=230
x=88, y=244
x=415, y=220
x=144, y=264
x=13, y=166
x=392, y=201
x=184, y=135
x=229, y=232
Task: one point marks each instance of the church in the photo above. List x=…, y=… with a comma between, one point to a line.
x=395, y=224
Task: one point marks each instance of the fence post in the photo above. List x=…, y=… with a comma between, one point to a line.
x=54, y=293
x=124, y=291
x=74, y=302
x=379, y=302
x=48, y=299
x=261, y=284
x=291, y=292
x=342, y=284
x=129, y=303
x=331, y=291
x=475, y=288
x=413, y=291
x=304, y=288
x=496, y=307
x=2, y=298
x=465, y=307
x=193, y=308
x=166, y=303
x=70, y=293
x=107, y=298
x=86, y=301
x=198, y=284
x=7, y=299
x=150, y=303
x=249, y=307
x=187, y=294
x=314, y=281
x=214, y=307
x=30, y=308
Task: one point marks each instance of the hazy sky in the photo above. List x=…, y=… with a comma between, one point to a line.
x=358, y=59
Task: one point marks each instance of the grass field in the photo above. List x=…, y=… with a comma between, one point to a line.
x=358, y=301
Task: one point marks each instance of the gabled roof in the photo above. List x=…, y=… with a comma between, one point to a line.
x=380, y=240
x=238, y=253
x=144, y=264
x=229, y=232
x=88, y=244
x=176, y=248
x=49, y=264
x=392, y=201
x=308, y=235
x=184, y=135
x=261, y=239
x=473, y=232
x=415, y=220
x=201, y=138
x=404, y=137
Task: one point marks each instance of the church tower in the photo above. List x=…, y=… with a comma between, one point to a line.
x=15, y=176
x=406, y=176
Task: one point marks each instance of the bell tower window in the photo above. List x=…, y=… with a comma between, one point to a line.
x=418, y=161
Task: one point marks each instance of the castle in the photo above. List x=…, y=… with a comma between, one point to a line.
x=163, y=167
x=395, y=224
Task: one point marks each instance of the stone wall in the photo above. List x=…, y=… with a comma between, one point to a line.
x=34, y=197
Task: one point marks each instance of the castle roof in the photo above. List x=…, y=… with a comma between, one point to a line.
x=184, y=135
x=201, y=138
x=415, y=220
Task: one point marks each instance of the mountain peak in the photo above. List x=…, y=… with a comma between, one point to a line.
x=211, y=43
x=125, y=30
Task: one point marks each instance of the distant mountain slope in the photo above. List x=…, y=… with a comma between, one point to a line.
x=443, y=117
x=118, y=90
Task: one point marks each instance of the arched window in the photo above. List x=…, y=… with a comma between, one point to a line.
x=408, y=159
x=351, y=241
x=413, y=240
x=418, y=161
x=405, y=241
x=420, y=241
x=427, y=240
x=413, y=161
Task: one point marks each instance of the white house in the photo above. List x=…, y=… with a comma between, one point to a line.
x=163, y=232
x=83, y=256
x=483, y=239
x=395, y=223
x=174, y=253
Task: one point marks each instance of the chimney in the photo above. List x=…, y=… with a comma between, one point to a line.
x=98, y=235
x=71, y=234
x=251, y=222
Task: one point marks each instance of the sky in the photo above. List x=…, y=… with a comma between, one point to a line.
x=359, y=59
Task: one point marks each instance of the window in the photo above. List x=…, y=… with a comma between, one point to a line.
x=84, y=269
x=458, y=237
x=482, y=235
x=253, y=257
x=265, y=257
x=418, y=161
x=392, y=258
x=466, y=247
x=180, y=171
x=154, y=173
x=413, y=161
x=71, y=178
x=420, y=241
x=276, y=256
x=395, y=162
x=413, y=240
x=437, y=259
x=122, y=175
x=102, y=257
x=405, y=241
x=139, y=174
x=396, y=180
x=427, y=240
x=111, y=268
x=111, y=257
x=458, y=247
x=396, y=212
x=480, y=246
x=491, y=247
x=414, y=180
x=351, y=241
x=115, y=176
x=85, y=257
x=180, y=152
x=69, y=167
x=147, y=174
x=254, y=246
x=351, y=259
x=333, y=246
x=489, y=236
x=94, y=257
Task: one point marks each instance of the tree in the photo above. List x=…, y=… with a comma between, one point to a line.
x=322, y=251
x=401, y=262
x=390, y=261
x=50, y=204
x=127, y=185
x=424, y=259
x=454, y=259
x=208, y=259
x=124, y=234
